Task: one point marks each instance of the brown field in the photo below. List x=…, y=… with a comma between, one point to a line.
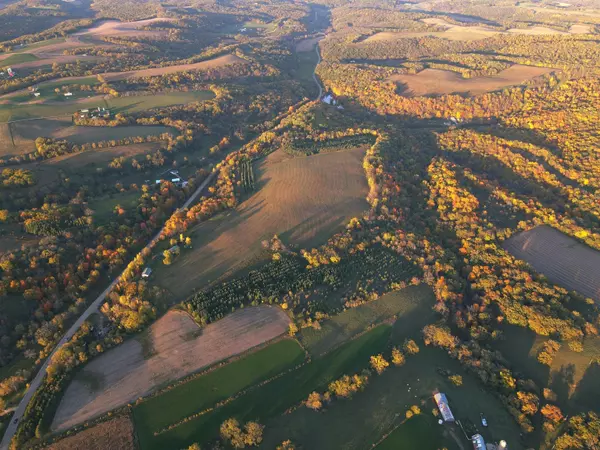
x=465, y=33
x=438, y=82
x=6, y=144
x=561, y=258
x=172, y=348
x=307, y=45
x=580, y=29
x=116, y=28
x=157, y=71
x=48, y=60
x=116, y=434
x=303, y=200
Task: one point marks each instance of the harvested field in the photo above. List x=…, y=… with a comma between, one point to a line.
x=132, y=29
x=172, y=348
x=307, y=45
x=204, y=65
x=561, y=258
x=303, y=200
x=116, y=434
x=535, y=31
x=439, y=82
x=580, y=29
x=48, y=61
x=25, y=133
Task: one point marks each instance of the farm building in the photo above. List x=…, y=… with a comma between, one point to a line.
x=147, y=272
x=94, y=112
x=329, y=99
x=478, y=442
x=172, y=176
x=444, y=407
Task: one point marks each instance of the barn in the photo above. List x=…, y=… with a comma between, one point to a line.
x=444, y=407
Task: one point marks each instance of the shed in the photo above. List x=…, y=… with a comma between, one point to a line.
x=478, y=442
x=444, y=407
x=147, y=272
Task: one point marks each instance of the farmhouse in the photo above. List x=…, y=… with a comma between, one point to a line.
x=478, y=442
x=329, y=99
x=94, y=112
x=173, y=176
x=444, y=407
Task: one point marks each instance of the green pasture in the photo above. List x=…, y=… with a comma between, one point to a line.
x=361, y=422
x=273, y=398
x=104, y=207
x=204, y=391
x=39, y=44
x=573, y=376
x=10, y=112
x=17, y=59
x=412, y=306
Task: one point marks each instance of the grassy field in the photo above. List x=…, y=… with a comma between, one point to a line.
x=360, y=422
x=104, y=207
x=274, y=398
x=304, y=200
x=412, y=306
x=17, y=59
x=438, y=82
x=573, y=376
x=115, y=434
x=204, y=391
x=563, y=259
x=421, y=431
x=37, y=45
x=10, y=112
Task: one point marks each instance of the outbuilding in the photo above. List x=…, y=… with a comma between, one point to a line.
x=444, y=407
x=147, y=272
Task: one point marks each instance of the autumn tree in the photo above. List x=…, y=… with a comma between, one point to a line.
x=398, y=358
x=410, y=347
x=379, y=363
x=314, y=401
x=439, y=337
x=548, y=351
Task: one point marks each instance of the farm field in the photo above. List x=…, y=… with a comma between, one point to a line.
x=466, y=33
x=132, y=29
x=11, y=112
x=116, y=434
x=564, y=260
x=303, y=200
x=18, y=58
x=47, y=171
x=572, y=375
x=438, y=82
x=208, y=389
x=172, y=348
x=412, y=305
x=272, y=399
x=104, y=207
x=360, y=422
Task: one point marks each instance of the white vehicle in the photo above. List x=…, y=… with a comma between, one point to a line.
x=483, y=420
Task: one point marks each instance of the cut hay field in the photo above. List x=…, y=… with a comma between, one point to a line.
x=573, y=376
x=19, y=137
x=131, y=29
x=208, y=389
x=172, y=348
x=53, y=107
x=412, y=306
x=115, y=434
x=463, y=33
x=274, y=398
x=307, y=45
x=304, y=200
x=360, y=422
x=564, y=260
x=439, y=82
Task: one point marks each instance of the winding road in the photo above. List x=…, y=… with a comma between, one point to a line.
x=37, y=381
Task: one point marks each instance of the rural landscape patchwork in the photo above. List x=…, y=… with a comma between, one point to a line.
x=299, y=224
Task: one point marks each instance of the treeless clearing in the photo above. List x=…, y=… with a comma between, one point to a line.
x=116, y=434
x=10, y=243
x=561, y=258
x=116, y=28
x=304, y=200
x=535, y=31
x=438, y=82
x=580, y=29
x=307, y=45
x=48, y=61
x=172, y=348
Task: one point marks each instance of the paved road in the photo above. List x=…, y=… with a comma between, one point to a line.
x=35, y=383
